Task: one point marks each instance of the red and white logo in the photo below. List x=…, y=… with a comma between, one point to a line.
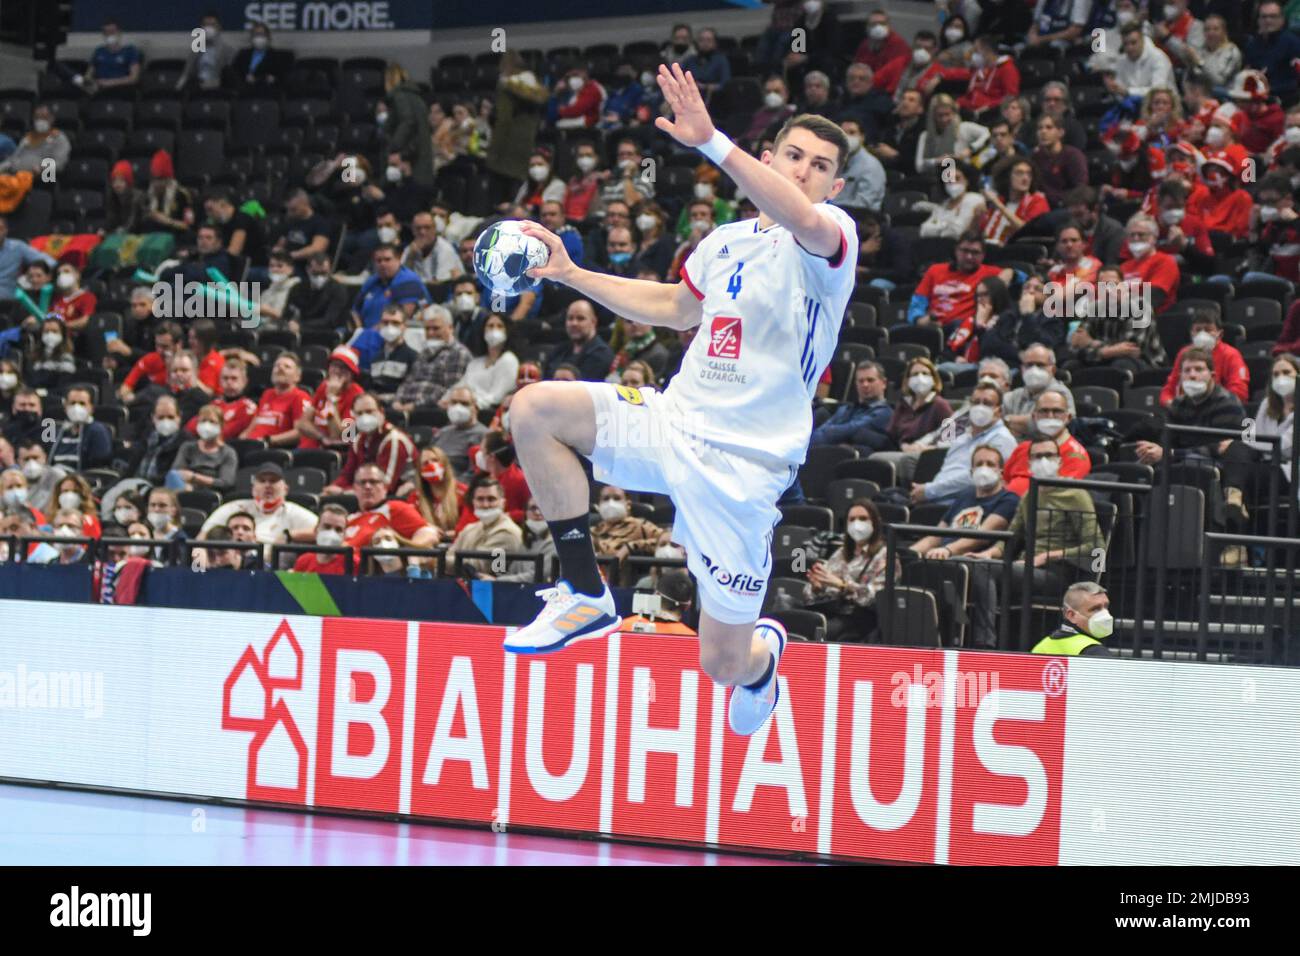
x=724, y=337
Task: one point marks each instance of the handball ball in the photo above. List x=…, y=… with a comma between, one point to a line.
x=503, y=254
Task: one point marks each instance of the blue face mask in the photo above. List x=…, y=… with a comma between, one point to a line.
x=620, y=258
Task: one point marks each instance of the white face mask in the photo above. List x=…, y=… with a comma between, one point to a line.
x=981, y=416
x=208, y=430
x=41, y=125
x=328, y=538
x=1035, y=378
x=645, y=222
x=921, y=385
x=15, y=496
x=280, y=274
x=575, y=83
x=1101, y=624
x=78, y=414
x=8, y=381
x=586, y=163
x=921, y=57
x=124, y=516
x=1051, y=427
x=261, y=42
x=955, y=190
x=1139, y=249
x=855, y=143
x=390, y=333
x=1124, y=17
x=51, y=340
x=70, y=500
x=670, y=551
x=166, y=427
x=1284, y=385
x=977, y=59
x=536, y=525
x=458, y=413
x=1214, y=136
x=1045, y=467
x=538, y=174
x=465, y=302
x=318, y=281
x=953, y=34
x=494, y=338
x=487, y=515
x=33, y=469
x=1172, y=217
x=612, y=510
x=1194, y=388
x=113, y=41
x=393, y=174
x=1292, y=135
x=1205, y=341
x=66, y=281
x=985, y=476
x=387, y=234
x=368, y=422
x=700, y=225
x=860, y=530
x=480, y=460
x=1268, y=213
x=159, y=519
x=138, y=550
x=703, y=190
x=879, y=31
x=773, y=100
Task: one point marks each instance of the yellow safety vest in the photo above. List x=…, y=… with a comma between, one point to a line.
x=1072, y=646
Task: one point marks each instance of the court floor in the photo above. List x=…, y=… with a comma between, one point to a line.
x=45, y=827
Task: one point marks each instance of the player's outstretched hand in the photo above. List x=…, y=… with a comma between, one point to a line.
x=559, y=264
x=690, y=125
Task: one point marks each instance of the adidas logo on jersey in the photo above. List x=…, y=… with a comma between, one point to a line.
x=574, y=535
x=724, y=253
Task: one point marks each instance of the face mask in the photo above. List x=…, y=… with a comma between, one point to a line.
x=860, y=530
x=1215, y=136
x=167, y=427
x=879, y=31
x=387, y=562
x=433, y=344
x=114, y=41
x=921, y=385
x=647, y=79
x=33, y=469
x=208, y=430
x=1051, y=427
x=773, y=100
x=538, y=173
x=393, y=174
x=977, y=60
x=1035, y=378
x=440, y=222
x=620, y=258
x=260, y=42
x=368, y=422
x=458, y=413
x=1205, y=341
x=66, y=281
x=575, y=83
x=1045, y=467
x=505, y=420
x=1284, y=385
x=1268, y=213
x=15, y=496
x=212, y=32
x=955, y=190
x=494, y=338
x=1124, y=17
x=138, y=550
x=280, y=275
x=8, y=381
x=78, y=414
x=387, y=234
x=921, y=57
x=1292, y=135
x=1172, y=217
x=381, y=118
x=612, y=510
x=328, y=538
x=124, y=516
x=699, y=225
x=317, y=281
x=646, y=222
x=487, y=515
x=586, y=163
x=855, y=143
x=1194, y=388
x=1101, y=624
x=1139, y=249
x=51, y=340
x=669, y=551
x=70, y=500
x=981, y=416
x=41, y=125
x=953, y=35
x=465, y=302
x=703, y=190
x=537, y=526
x=159, y=519
x=480, y=460
x=390, y=333
x=985, y=476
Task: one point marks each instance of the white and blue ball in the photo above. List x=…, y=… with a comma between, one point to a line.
x=503, y=255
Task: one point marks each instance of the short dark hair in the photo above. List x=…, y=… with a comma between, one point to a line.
x=1135, y=26
x=1082, y=196
x=990, y=448
x=240, y=514
x=1275, y=183
x=1205, y=315
x=970, y=235
x=1175, y=189
x=1194, y=354
x=823, y=129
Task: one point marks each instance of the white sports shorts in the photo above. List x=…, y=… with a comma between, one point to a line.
x=725, y=503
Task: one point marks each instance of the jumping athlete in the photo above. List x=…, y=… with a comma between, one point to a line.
x=726, y=438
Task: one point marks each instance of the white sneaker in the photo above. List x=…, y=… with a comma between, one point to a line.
x=567, y=618
x=749, y=708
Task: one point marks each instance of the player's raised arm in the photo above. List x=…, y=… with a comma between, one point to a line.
x=670, y=304
x=811, y=165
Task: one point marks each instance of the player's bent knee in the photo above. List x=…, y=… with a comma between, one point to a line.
x=561, y=410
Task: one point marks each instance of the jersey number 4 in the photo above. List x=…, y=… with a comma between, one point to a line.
x=733, y=284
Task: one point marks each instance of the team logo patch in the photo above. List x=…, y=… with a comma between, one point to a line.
x=724, y=337
x=630, y=395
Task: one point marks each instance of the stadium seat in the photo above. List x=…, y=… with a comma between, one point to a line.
x=200, y=155
x=784, y=594
x=812, y=516
x=910, y=619
x=949, y=582
x=803, y=625
x=820, y=466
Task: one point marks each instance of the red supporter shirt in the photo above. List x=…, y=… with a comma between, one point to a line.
x=311, y=563
x=1263, y=128
x=398, y=515
x=1230, y=371
x=516, y=491
x=990, y=85
x=952, y=293
x=237, y=414
x=1193, y=227
x=321, y=403
x=1158, y=268
x=893, y=47
x=390, y=448
x=1075, y=463
x=279, y=411
x=210, y=370
x=1226, y=212
x=998, y=228
x=151, y=366
x=80, y=305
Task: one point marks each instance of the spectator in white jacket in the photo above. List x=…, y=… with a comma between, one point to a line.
x=864, y=177
x=1140, y=67
x=1218, y=58
x=1180, y=33
x=947, y=136
x=491, y=374
x=1111, y=47
x=961, y=211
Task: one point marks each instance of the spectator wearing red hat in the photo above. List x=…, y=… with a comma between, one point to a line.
x=170, y=207
x=332, y=403
x=1264, y=115
x=125, y=207
x=1142, y=264
x=1222, y=139
x=1226, y=208
x=1130, y=177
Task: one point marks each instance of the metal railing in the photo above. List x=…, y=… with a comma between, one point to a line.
x=1248, y=628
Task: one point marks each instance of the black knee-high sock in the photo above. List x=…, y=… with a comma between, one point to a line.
x=572, y=538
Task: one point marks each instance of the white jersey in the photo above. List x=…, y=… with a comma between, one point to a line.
x=772, y=314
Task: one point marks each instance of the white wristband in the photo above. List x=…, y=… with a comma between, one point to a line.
x=718, y=147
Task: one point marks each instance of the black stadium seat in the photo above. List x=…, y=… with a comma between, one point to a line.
x=199, y=155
